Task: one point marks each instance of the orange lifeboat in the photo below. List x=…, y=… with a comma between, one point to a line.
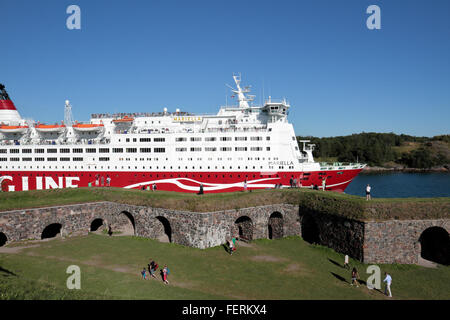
x=13, y=129
x=87, y=127
x=50, y=127
x=125, y=119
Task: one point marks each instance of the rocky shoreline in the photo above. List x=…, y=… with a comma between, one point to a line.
x=400, y=168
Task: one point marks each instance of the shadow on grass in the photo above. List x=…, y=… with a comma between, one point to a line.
x=8, y=273
x=339, y=277
x=225, y=247
x=336, y=263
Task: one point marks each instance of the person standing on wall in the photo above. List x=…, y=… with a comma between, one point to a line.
x=368, y=188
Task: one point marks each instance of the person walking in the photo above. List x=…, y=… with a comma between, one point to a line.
x=388, y=280
x=346, y=266
x=152, y=266
x=233, y=241
x=165, y=274
x=245, y=185
x=231, y=246
x=144, y=274
x=355, y=277
x=368, y=188
x=324, y=184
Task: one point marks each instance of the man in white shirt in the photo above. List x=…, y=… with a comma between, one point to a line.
x=388, y=281
x=368, y=188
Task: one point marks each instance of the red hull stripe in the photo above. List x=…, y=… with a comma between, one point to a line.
x=7, y=105
x=171, y=181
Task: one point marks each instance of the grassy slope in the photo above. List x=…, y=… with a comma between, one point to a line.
x=331, y=202
x=278, y=269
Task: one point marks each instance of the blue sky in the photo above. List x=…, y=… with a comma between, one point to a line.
x=133, y=56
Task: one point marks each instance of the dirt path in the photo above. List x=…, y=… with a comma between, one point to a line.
x=17, y=249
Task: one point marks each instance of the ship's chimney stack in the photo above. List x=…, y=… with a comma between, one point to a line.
x=8, y=112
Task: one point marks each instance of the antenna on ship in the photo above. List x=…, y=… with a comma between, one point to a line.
x=68, y=119
x=243, y=100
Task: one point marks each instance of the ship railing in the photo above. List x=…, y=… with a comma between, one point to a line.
x=189, y=130
x=340, y=165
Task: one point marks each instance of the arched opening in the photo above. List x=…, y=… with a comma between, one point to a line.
x=245, y=228
x=163, y=230
x=435, y=245
x=310, y=230
x=96, y=224
x=275, y=226
x=51, y=231
x=125, y=224
x=3, y=239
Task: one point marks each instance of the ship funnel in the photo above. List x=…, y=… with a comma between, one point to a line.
x=8, y=112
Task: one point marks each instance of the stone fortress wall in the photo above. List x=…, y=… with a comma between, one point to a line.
x=392, y=241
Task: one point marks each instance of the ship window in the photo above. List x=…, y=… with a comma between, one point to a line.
x=35, y=150
x=117, y=150
x=14, y=159
x=103, y=150
x=64, y=150
x=52, y=159
x=180, y=139
x=196, y=139
x=159, y=139
x=77, y=150
x=91, y=150
x=132, y=150
x=210, y=139
x=267, y=138
x=159, y=150
x=4, y=150
x=147, y=150
x=17, y=150
x=196, y=149
x=145, y=139
x=267, y=148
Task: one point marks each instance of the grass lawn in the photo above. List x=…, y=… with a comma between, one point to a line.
x=284, y=269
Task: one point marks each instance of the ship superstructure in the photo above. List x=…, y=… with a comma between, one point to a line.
x=242, y=146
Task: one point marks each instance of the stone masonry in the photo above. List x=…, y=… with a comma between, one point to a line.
x=392, y=241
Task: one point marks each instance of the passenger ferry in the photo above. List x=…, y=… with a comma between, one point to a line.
x=244, y=146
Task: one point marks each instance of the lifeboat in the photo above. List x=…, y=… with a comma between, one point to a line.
x=125, y=120
x=13, y=129
x=87, y=127
x=50, y=127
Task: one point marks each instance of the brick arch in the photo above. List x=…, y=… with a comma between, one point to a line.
x=163, y=229
x=310, y=228
x=124, y=221
x=434, y=244
x=275, y=225
x=3, y=239
x=244, y=227
x=52, y=229
x=94, y=223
